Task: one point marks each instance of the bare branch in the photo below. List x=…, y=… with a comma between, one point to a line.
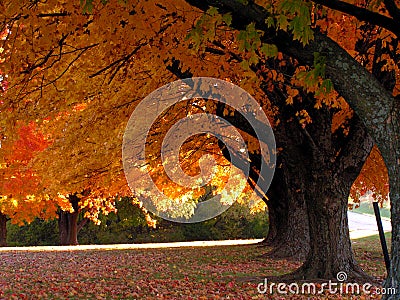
x=119, y=62
x=56, y=14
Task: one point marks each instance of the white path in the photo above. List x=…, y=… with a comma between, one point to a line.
x=360, y=225
x=134, y=246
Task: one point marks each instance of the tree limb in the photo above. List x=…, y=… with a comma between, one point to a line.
x=392, y=8
x=363, y=14
x=361, y=89
x=119, y=62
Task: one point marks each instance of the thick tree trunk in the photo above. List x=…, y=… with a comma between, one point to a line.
x=277, y=212
x=393, y=165
x=287, y=216
x=3, y=230
x=73, y=229
x=326, y=194
x=393, y=279
x=330, y=244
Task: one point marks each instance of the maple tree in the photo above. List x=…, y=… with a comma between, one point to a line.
x=93, y=66
x=85, y=118
x=346, y=145
x=376, y=107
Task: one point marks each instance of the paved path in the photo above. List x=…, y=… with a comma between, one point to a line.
x=134, y=246
x=360, y=225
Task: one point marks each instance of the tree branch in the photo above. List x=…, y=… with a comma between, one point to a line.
x=81, y=224
x=55, y=14
x=361, y=89
x=363, y=14
x=119, y=62
x=392, y=8
x=350, y=159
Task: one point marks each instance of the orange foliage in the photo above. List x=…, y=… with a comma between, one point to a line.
x=22, y=195
x=373, y=178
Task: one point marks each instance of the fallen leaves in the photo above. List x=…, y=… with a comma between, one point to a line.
x=171, y=273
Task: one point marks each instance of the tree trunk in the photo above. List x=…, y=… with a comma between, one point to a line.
x=393, y=165
x=288, y=218
x=393, y=279
x=277, y=212
x=68, y=223
x=3, y=230
x=73, y=228
x=327, y=189
x=63, y=227
x=331, y=250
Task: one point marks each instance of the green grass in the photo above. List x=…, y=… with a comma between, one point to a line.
x=369, y=254
x=367, y=208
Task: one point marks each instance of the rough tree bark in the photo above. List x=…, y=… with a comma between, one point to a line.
x=288, y=220
x=287, y=193
x=318, y=169
x=277, y=209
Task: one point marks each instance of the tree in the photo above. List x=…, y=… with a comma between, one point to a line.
x=79, y=88
x=328, y=148
x=318, y=168
x=76, y=67
x=375, y=106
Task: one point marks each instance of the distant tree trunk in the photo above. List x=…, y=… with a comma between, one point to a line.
x=3, y=230
x=63, y=227
x=68, y=223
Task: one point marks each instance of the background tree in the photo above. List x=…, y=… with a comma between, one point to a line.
x=81, y=89
x=23, y=196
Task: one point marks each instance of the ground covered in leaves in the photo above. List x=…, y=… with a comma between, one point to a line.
x=222, y=272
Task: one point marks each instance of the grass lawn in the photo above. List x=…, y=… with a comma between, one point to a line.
x=173, y=273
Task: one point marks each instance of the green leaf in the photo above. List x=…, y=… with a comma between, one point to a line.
x=227, y=18
x=213, y=11
x=270, y=22
x=242, y=40
x=282, y=22
x=269, y=50
x=253, y=59
x=327, y=86
x=245, y=65
x=87, y=6
x=308, y=35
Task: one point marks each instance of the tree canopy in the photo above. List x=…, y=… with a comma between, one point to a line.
x=78, y=75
